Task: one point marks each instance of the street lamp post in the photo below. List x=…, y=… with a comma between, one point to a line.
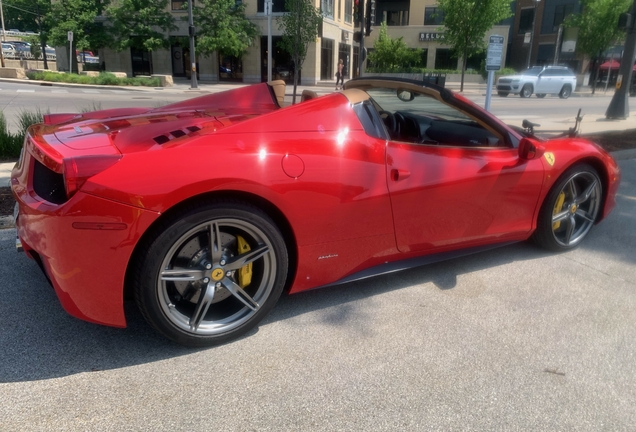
x=534, y=18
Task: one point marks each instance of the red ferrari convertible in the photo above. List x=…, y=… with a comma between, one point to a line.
x=206, y=210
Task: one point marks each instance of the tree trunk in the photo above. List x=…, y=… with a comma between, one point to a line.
x=464, y=58
x=218, y=73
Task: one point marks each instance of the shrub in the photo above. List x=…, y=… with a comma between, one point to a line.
x=104, y=78
x=10, y=144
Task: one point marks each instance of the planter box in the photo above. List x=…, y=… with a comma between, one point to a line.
x=8, y=72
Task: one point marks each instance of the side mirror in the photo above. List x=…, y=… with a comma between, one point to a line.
x=530, y=149
x=405, y=95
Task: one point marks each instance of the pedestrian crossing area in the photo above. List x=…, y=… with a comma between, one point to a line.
x=64, y=91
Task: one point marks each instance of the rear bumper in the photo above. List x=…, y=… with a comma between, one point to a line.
x=84, y=247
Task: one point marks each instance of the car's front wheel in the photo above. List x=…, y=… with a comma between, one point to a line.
x=211, y=273
x=570, y=209
x=566, y=91
x=526, y=91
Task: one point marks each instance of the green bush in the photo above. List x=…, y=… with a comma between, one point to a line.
x=10, y=144
x=104, y=78
x=500, y=72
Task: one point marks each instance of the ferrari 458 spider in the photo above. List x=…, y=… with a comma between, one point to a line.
x=205, y=211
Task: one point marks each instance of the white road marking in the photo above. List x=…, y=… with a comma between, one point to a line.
x=93, y=91
x=59, y=91
x=25, y=91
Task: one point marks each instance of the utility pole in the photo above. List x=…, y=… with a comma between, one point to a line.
x=193, y=57
x=619, y=106
x=362, y=17
x=2, y=20
x=268, y=6
x=534, y=19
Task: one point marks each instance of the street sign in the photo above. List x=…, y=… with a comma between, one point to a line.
x=526, y=37
x=494, y=54
x=70, y=36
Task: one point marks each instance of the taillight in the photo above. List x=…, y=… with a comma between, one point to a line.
x=79, y=169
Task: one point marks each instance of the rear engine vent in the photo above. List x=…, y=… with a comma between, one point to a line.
x=48, y=184
x=161, y=139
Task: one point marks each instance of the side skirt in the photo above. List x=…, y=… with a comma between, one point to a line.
x=400, y=265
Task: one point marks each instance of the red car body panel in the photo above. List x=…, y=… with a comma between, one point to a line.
x=352, y=201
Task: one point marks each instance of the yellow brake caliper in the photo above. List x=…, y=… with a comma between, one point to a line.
x=245, y=272
x=557, y=208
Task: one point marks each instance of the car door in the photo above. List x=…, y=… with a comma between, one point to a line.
x=544, y=83
x=454, y=180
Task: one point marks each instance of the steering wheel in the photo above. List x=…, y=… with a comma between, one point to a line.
x=389, y=121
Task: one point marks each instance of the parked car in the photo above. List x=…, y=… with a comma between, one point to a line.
x=9, y=51
x=539, y=80
x=205, y=210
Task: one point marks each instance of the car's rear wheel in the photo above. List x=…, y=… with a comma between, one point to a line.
x=566, y=91
x=540, y=95
x=502, y=94
x=570, y=209
x=211, y=273
x=526, y=91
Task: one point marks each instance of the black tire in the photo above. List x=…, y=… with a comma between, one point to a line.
x=526, y=91
x=191, y=283
x=502, y=94
x=565, y=92
x=540, y=95
x=570, y=209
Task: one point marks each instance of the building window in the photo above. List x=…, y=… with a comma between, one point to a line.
x=525, y=20
x=349, y=11
x=327, y=8
x=326, y=59
x=277, y=6
x=444, y=60
x=396, y=18
x=433, y=16
x=561, y=12
x=181, y=5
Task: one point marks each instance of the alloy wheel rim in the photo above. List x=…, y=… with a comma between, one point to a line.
x=199, y=287
x=576, y=208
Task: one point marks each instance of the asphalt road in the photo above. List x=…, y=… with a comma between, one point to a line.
x=511, y=339
x=17, y=97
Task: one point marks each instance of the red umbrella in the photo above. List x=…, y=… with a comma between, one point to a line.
x=613, y=64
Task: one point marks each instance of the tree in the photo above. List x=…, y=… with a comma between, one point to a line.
x=140, y=24
x=300, y=28
x=392, y=55
x=77, y=16
x=598, y=26
x=223, y=28
x=466, y=23
x=28, y=15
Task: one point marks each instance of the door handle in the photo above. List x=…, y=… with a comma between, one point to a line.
x=399, y=174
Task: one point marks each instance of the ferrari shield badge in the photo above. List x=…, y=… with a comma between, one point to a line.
x=549, y=156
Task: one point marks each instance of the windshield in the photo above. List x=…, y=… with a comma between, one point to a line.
x=533, y=71
x=386, y=99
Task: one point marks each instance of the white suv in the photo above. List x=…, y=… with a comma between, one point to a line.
x=539, y=80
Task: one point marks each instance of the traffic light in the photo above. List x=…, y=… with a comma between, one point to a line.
x=357, y=36
x=356, y=11
x=370, y=18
